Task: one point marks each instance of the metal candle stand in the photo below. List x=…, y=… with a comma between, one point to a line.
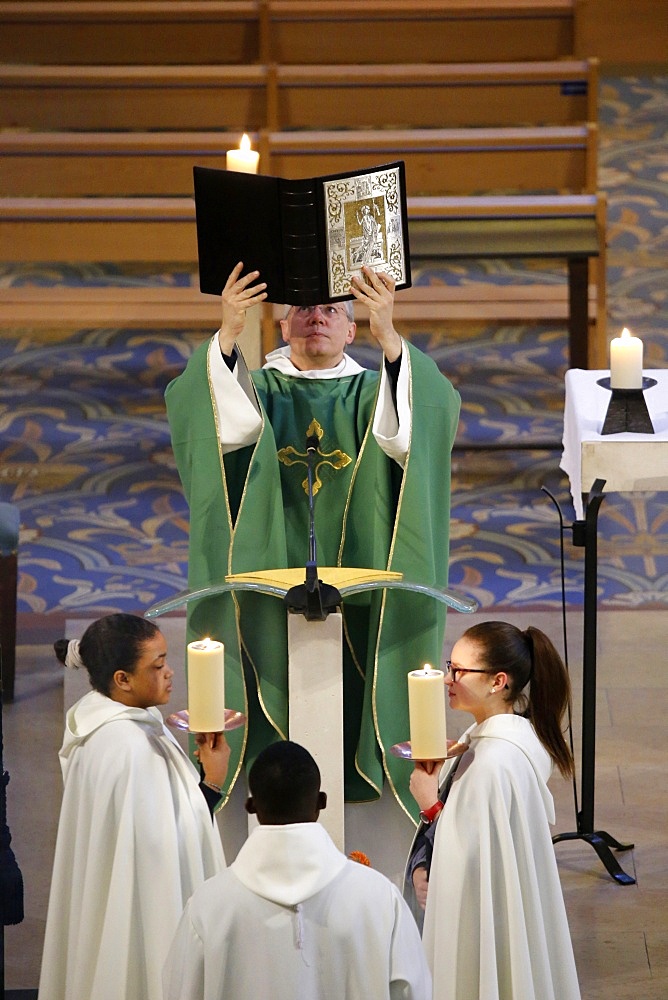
x=627, y=409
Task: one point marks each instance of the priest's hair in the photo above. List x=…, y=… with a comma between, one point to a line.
x=112, y=643
x=538, y=683
x=349, y=306
x=284, y=782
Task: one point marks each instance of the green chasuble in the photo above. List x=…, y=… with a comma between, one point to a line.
x=249, y=511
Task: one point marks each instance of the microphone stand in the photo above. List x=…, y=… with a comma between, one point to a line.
x=313, y=598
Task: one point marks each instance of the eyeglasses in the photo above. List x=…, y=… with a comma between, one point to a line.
x=329, y=311
x=454, y=671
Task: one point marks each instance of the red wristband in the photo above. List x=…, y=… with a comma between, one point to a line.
x=430, y=814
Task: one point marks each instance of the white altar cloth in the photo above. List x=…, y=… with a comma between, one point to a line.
x=627, y=462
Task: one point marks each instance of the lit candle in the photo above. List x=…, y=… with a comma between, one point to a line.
x=206, y=686
x=626, y=361
x=244, y=159
x=426, y=710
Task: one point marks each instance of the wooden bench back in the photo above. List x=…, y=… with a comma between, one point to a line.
x=436, y=31
x=423, y=95
x=445, y=161
x=173, y=32
x=169, y=32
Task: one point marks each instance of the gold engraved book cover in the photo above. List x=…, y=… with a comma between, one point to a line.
x=364, y=226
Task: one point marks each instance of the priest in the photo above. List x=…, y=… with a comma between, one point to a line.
x=381, y=500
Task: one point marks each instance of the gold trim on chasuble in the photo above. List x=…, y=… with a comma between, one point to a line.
x=336, y=459
x=405, y=355
x=241, y=646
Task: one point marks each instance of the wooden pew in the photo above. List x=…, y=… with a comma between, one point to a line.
x=448, y=95
x=445, y=161
x=76, y=164
x=132, y=97
x=424, y=95
x=71, y=32
x=438, y=161
x=67, y=307
x=564, y=227
x=383, y=31
x=123, y=230
x=162, y=230
x=283, y=31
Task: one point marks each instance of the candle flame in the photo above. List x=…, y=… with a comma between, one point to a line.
x=245, y=143
x=428, y=668
x=626, y=334
x=206, y=643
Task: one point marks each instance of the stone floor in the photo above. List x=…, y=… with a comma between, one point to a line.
x=620, y=933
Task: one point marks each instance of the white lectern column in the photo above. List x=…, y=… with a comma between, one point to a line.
x=315, y=693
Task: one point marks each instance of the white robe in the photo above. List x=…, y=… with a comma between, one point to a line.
x=135, y=838
x=293, y=919
x=495, y=925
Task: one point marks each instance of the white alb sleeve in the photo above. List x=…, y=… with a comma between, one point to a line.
x=392, y=427
x=239, y=418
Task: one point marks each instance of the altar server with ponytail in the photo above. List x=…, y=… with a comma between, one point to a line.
x=495, y=923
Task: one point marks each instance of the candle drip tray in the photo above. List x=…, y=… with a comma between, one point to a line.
x=180, y=720
x=403, y=750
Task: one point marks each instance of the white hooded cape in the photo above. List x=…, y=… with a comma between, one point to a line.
x=495, y=925
x=135, y=838
x=293, y=919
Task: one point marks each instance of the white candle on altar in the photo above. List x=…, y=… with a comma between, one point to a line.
x=426, y=711
x=626, y=361
x=244, y=159
x=206, y=686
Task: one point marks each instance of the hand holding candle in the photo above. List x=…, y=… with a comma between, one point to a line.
x=206, y=686
x=426, y=710
x=626, y=361
x=244, y=159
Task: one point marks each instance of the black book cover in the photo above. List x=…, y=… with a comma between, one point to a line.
x=306, y=237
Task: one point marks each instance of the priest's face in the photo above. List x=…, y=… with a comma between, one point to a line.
x=317, y=335
x=151, y=681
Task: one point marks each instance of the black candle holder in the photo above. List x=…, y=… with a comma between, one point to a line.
x=627, y=409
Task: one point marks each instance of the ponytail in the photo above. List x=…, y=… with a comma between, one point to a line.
x=549, y=698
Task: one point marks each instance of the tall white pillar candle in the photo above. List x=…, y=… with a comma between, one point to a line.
x=626, y=361
x=426, y=710
x=206, y=686
x=244, y=159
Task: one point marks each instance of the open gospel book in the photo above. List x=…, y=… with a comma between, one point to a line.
x=306, y=237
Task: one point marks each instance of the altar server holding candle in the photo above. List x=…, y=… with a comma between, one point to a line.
x=626, y=355
x=136, y=835
x=495, y=923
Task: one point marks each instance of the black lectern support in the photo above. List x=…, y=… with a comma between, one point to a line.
x=585, y=535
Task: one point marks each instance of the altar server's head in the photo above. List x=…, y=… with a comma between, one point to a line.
x=126, y=659
x=284, y=784
x=498, y=668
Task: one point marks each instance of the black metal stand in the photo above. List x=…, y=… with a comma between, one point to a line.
x=312, y=598
x=627, y=409
x=585, y=535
